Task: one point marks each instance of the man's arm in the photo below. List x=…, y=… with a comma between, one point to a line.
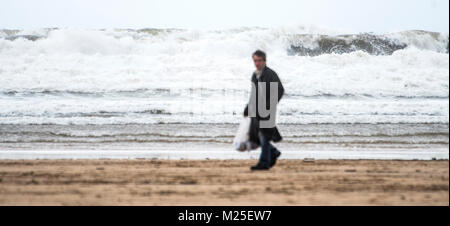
x=275, y=78
x=246, y=111
x=246, y=106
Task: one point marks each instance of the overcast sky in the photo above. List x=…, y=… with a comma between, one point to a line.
x=351, y=15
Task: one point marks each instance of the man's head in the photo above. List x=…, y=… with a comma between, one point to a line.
x=259, y=58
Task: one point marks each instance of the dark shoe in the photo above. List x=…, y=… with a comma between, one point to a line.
x=274, y=158
x=259, y=167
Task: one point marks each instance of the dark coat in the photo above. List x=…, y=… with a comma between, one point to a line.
x=267, y=75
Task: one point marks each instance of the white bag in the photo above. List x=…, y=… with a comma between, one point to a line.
x=241, y=142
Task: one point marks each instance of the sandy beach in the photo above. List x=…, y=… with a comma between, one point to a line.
x=223, y=182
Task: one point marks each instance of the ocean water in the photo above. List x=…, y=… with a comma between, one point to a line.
x=66, y=88
x=214, y=141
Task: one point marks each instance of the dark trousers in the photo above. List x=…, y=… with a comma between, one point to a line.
x=267, y=151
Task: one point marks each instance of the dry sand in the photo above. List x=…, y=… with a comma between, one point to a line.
x=223, y=182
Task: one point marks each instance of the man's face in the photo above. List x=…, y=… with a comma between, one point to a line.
x=259, y=62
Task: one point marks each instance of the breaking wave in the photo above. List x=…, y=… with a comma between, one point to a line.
x=120, y=76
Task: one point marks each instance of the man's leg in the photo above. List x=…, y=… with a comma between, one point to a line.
x=265, y=156
x=266, y=152
x=274, y=154
x=268, y=156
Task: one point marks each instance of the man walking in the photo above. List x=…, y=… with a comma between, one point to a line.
x=262, y=126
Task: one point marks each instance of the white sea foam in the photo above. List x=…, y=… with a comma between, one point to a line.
x=79, y=76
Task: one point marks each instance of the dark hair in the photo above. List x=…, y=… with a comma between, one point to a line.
x=260, y=54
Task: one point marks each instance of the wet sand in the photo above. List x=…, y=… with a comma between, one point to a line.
x=223, y=182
